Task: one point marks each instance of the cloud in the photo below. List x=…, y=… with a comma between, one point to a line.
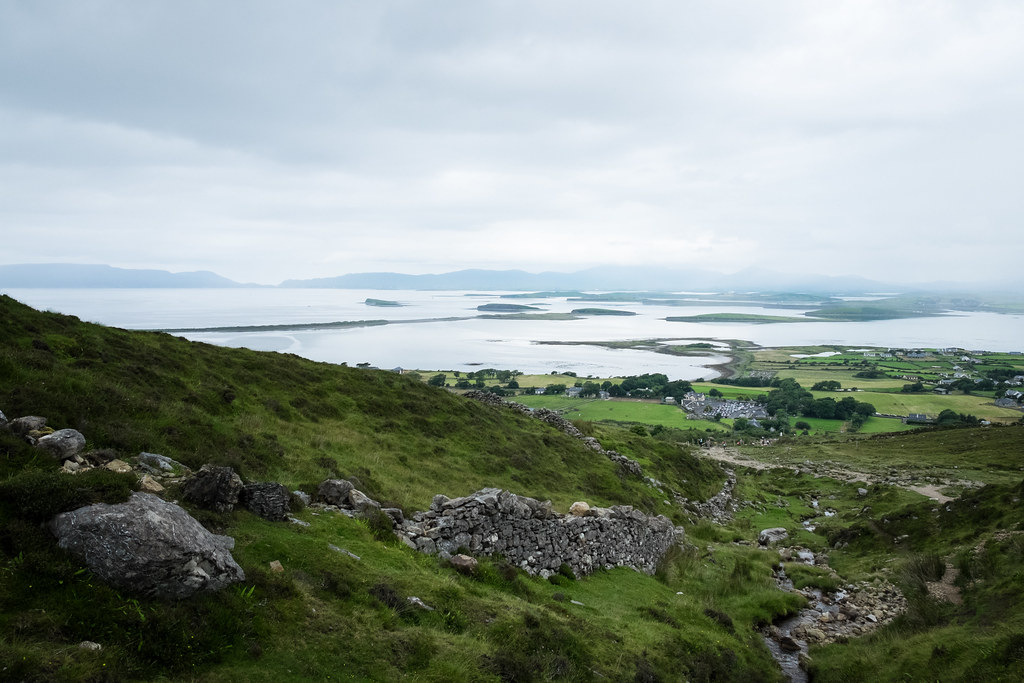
x=268, y=141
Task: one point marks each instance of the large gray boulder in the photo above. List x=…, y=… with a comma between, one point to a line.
x=214, y=488
x=149, y=547
x=269, y=500
x=62, y=444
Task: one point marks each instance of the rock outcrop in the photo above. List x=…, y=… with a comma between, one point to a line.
x=149, y=547
x=269, y=500
x=214, y=488
x=528, y=533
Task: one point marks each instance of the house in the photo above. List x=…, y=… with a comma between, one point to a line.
x=1014, y=394
x=942, y=390
x=538, y=391
x=603, y=395
x=670, y=400
x=1005, y=402
x=917, y=417
x=573, y=392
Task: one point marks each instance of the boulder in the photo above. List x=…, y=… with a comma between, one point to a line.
x=334, y=491
x=3, y=420
x=579, y=509
x=30, y=423
x=62, y=444
x=269, y=500
x=213, y=487
x=464, y=564
x=149, y=547
x=360, y=502
x=773, y=535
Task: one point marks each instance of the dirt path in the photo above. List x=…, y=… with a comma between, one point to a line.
x=734, y=457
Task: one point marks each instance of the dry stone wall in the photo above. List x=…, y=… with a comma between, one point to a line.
x=529, y=534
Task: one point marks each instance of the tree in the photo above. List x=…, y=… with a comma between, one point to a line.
x=590, y=389
x=802, y=426
x=554, y=389
x=715, y=393
x=826, y=385
x=437, y=380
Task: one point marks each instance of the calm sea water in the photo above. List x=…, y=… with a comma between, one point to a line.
x=473, y=343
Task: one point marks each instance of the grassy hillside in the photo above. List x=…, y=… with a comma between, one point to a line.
x=280, y=417
x=329, y=616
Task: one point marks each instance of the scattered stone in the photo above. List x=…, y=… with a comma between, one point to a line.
x=773, y=535
x=119, y=466
x=269, y=500
x=334, y=491
x=62, y=444
x=416, y=602
x=862, y=492
x=3, y=420
x=149, y=547
x=71, y=467
x=294, y=520
x=149, y=484
x=275, y=566
x=89, y=645
x=160, y=465
x=577, y=603
x=464, y=564
x=214, y=488
x=302, y=497
x=343, y=551
x=788, y=644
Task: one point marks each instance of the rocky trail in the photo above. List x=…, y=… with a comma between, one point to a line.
x=734, y=457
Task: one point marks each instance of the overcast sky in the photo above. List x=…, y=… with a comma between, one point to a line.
x=274, y=140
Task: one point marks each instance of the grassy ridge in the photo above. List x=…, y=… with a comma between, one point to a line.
x=274, y=416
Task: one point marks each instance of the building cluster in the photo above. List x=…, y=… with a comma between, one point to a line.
x=700, y=407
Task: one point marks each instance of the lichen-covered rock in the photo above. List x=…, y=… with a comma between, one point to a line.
x=334, y=491
x=149, y=547
x=62, y=444
x=269, y=500
x=30, y=423
x=213, y=487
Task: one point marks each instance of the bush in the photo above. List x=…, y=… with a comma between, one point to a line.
x=38, y=495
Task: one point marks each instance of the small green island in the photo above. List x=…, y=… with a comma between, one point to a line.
x=505, y=308
x=600, y=311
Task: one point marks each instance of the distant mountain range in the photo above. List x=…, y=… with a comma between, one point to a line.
x=79, y=276
x=608, y=278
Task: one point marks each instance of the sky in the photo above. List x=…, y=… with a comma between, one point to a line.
x=267, y=140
